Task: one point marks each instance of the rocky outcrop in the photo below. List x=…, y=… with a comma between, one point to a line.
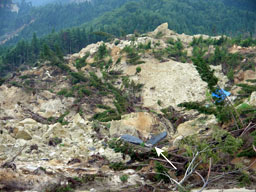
x=195, y=126
x=170, y=82
x=141, y=124
x=252, y=100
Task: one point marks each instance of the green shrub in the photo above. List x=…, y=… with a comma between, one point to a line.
x=2, y=81
x=199, y=107
x=159, y=35
x=80, y=62
x=159, y=168
x=124, y=178
x=117, y=166
x=123, y=147
x=146, y=46
x=246, y=89
x=132, y=55
x=15, y=84
x=204, y=69
x=117, y=42
x=171, y=41
x=102, y=51
x=78, y=77
x=65, y=92
x=159, y=54
x=25, y=76
x=138, y=70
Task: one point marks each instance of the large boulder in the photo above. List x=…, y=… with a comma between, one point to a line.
x=161, y=29
x=170, y=82
x=23, y=134
x=51, y=108
x=56, y=130
x=141, y=124
x=195, y=126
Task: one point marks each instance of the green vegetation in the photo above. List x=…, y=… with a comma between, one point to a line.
x=246, y=89
x=123, y=16
x=80, y=62
x=138, y=70
x=204, y=69
x=124, y=178
x=132, y=55
x=117, y=166
x=161, y=172
x=123, y=147
x=176, y=51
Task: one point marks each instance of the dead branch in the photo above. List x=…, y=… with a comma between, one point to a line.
x=208, y=176
x=248, y=128
x=10, y=162
x=161, y=160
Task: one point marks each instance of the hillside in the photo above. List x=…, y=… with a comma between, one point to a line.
x=191, y=17
x=89, y=121
x=51, y=17
x=104, y=20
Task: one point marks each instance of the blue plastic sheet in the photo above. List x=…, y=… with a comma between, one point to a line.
x=132, y=139
x=151, y=142
x=156, y=138
x=220, y=94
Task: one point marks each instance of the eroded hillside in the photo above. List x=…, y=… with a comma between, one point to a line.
x=72, y=123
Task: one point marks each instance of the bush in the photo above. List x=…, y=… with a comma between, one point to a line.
x=2, y=81
x=102, y=51
x=160, y=169
x=204, y=69
x=124, y=178
x=65, y=92
x=78, y=77
x=132, y=55
x=80, y=62
x=138, y=70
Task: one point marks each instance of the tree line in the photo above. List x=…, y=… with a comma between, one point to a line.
x=188, y=16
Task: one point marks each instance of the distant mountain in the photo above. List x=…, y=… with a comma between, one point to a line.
x=56, y=16
x=119, y=16
x=45, y=2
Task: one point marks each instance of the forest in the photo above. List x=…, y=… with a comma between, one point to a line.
x=70, y=27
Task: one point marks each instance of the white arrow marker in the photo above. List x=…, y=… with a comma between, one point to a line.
x=160, y=152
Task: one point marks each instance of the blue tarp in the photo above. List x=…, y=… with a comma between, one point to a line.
x=220, y=94
x=151, y=142
x=132, y=139
x=156, y=138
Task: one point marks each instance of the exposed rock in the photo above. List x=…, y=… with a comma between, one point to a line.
x=56, y=130
x=252, y=100
x=140, y=124
x=169, y=82
x=161, y=29
x=51, y=108
x=177, y=140
x=223, y=80
x=112, y=156
x=242, y=76
x=28, y=121
x=22, y=133
x=195, y=126
x=50, y=147
x=79, y=121
x=166, y=33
